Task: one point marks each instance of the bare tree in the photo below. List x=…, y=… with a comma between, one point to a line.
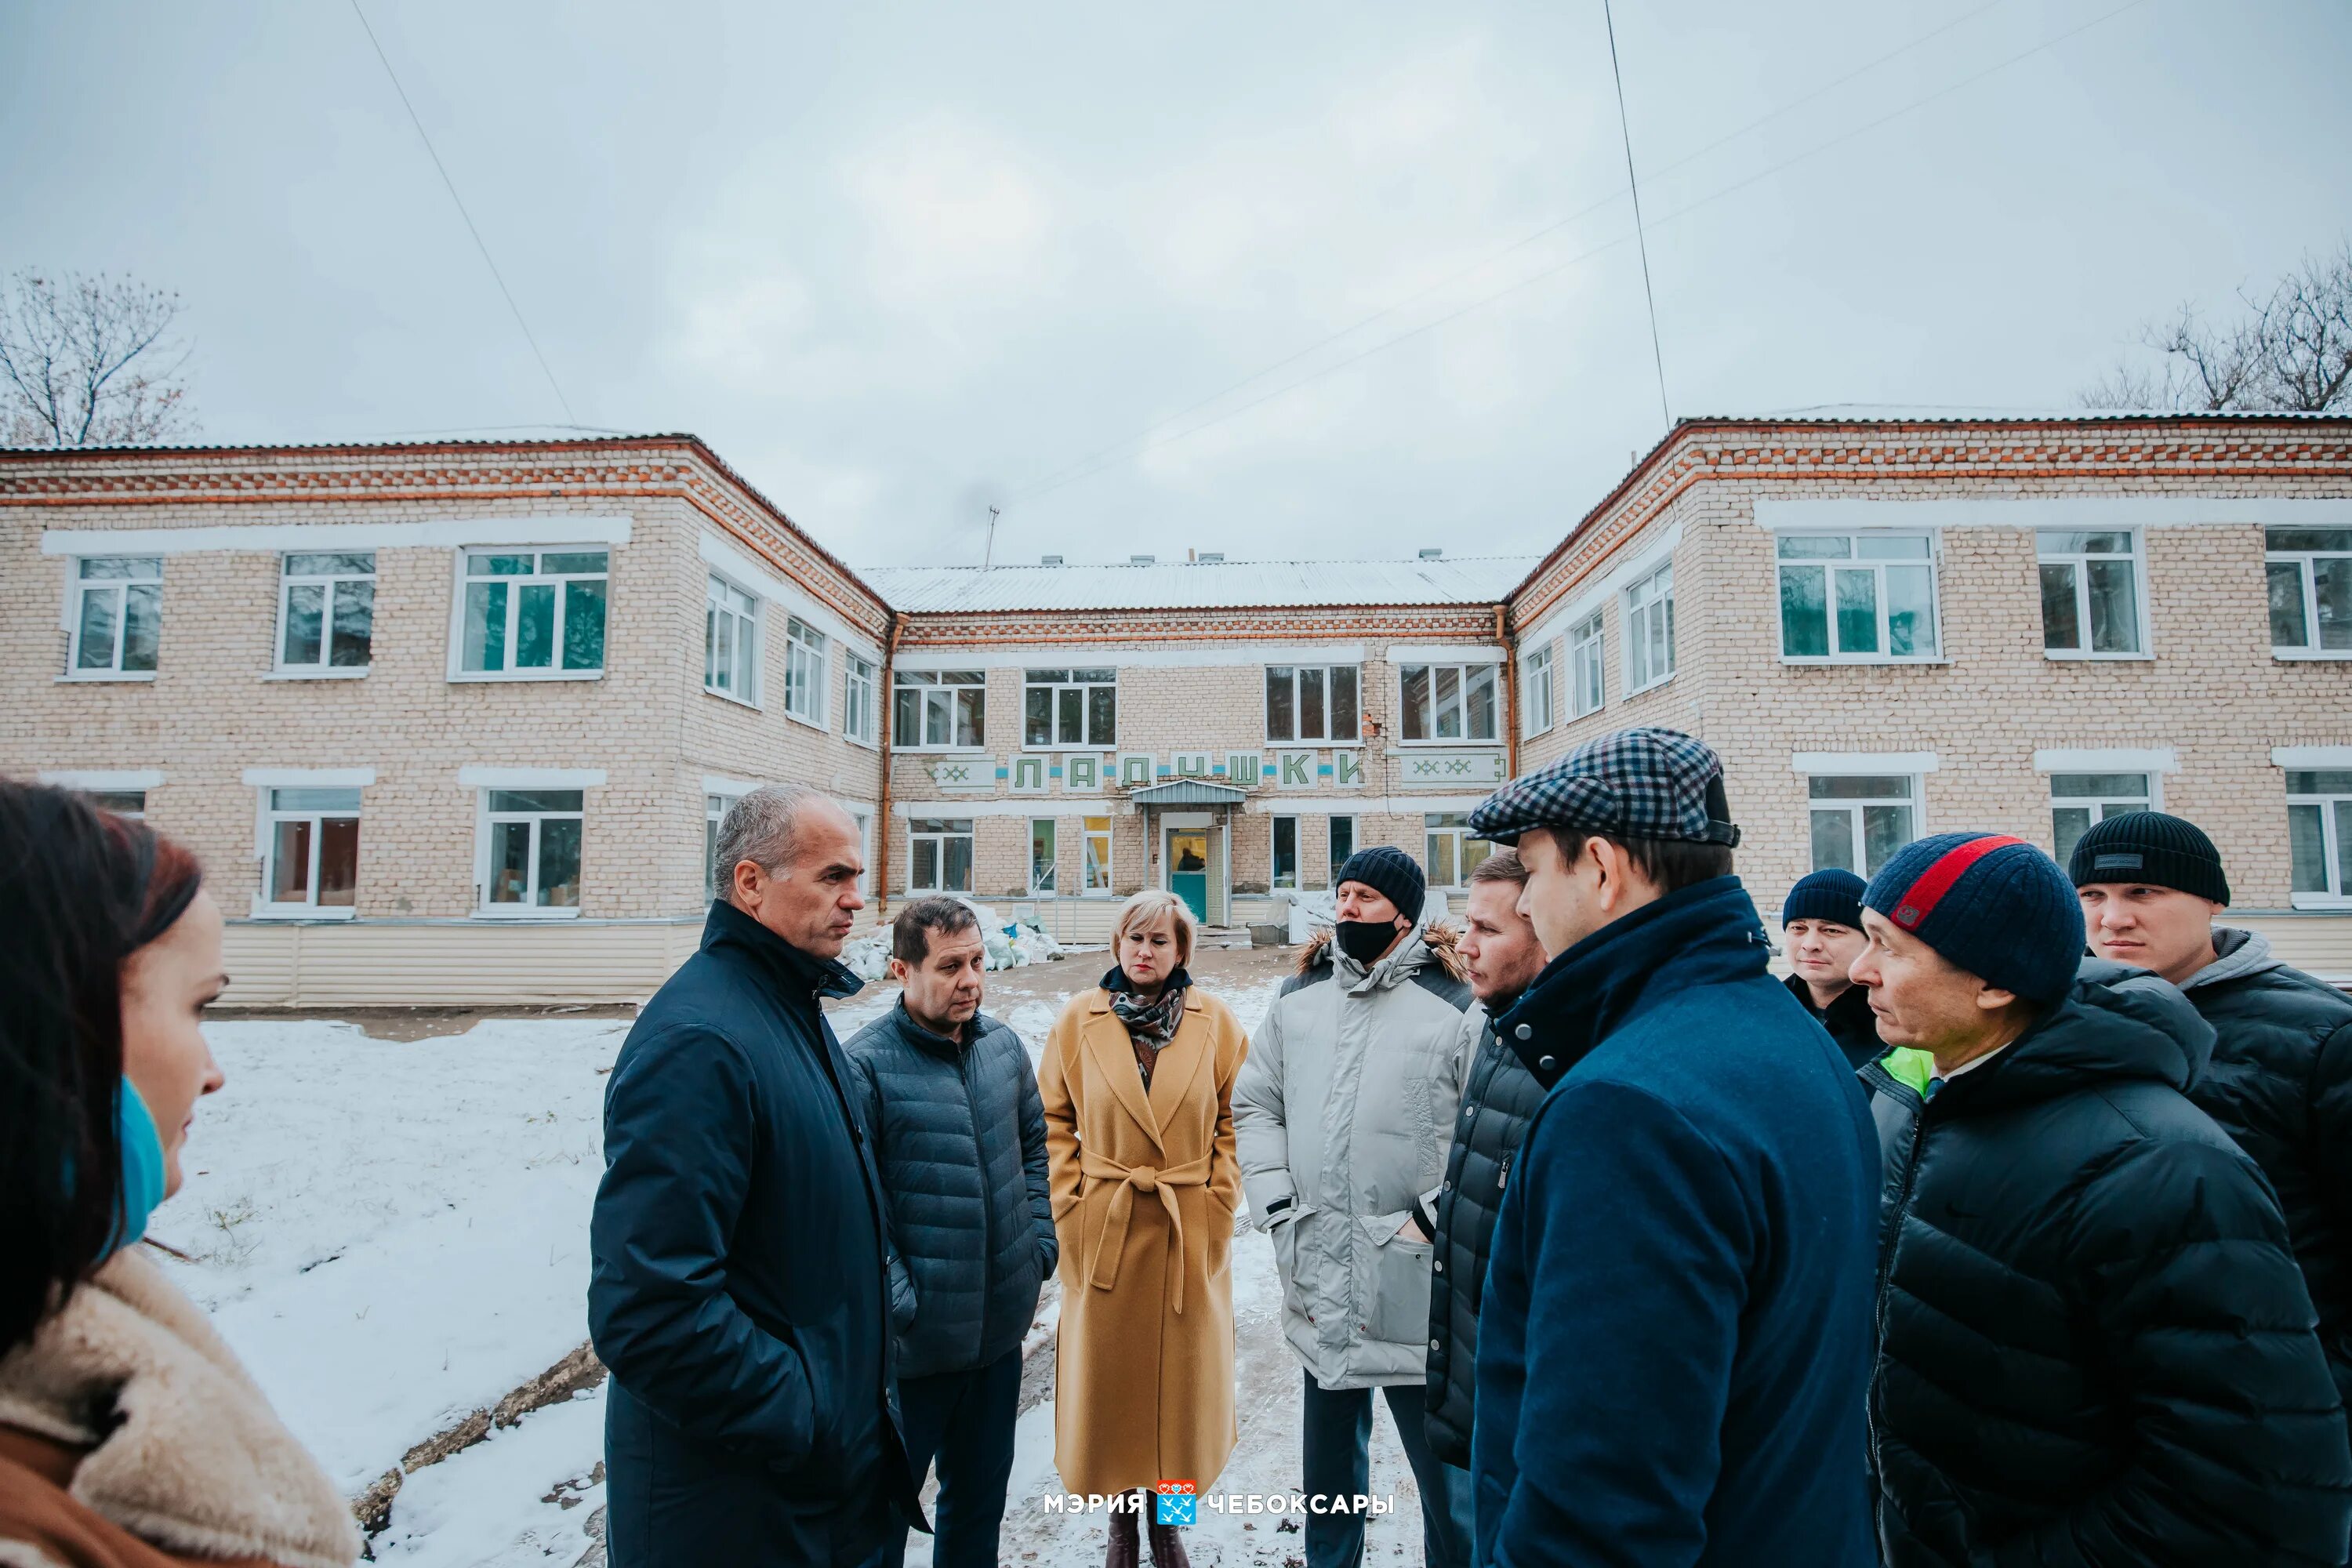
x=2292, y=350
x=89, y=362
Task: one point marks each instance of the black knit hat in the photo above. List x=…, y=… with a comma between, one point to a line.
x=1830, y=895
x=1390, y=873
x=2149, y=847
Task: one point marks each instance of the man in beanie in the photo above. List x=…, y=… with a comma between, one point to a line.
x=2281, y=1077
x=1676, y=1336
x=1821, y=922
x=1342, y=1117
x=2094, y=1344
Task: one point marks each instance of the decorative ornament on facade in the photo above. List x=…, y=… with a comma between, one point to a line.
x=1451, y=767
x=964, y=774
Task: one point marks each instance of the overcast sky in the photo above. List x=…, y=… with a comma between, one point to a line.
x=898, y=263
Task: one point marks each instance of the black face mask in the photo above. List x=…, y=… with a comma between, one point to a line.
x=1365, y=940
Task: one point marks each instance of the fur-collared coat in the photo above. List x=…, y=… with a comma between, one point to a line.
x=1145, y=1186
x=130, y=1438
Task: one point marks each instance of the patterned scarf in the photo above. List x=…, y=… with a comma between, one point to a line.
x=1152, y=1024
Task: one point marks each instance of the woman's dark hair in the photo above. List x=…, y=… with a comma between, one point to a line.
x=83, y=890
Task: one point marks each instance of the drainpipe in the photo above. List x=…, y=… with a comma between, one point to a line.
x=887, y=706
x=1510, y=643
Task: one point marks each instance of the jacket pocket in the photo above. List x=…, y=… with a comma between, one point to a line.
x=1285, y=1237
x=1401, y=1292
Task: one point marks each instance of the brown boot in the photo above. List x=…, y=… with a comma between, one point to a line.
x=1123, y=1544
x=1166, y=1541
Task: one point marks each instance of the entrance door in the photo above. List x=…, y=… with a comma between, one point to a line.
x=1188, y=868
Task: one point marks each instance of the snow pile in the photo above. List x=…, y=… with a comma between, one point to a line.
x=1009, y=943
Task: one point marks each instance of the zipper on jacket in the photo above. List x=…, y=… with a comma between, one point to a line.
x=987, y=1209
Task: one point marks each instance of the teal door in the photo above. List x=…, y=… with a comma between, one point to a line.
x=1188, y=868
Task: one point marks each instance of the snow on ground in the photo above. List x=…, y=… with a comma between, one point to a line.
x=395, y=1233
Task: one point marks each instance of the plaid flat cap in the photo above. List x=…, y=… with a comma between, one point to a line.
x=1634, y=783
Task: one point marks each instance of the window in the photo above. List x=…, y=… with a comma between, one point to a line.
x=1649, y=633
x=730, y=641
x=1450, y=853
x=938, y=855
x=2078, y=800
x=2319, y=833
x=715, y=808
x=1535, y=683
x=1285, y=852
x=1098, y=854
x=312, y=850
x=865, y=820
x=1859, y=821
x=804, y=672
x=2090, y=594
x=1448, y=701
x=939, y=710
x=858, y=698
x=533, y=612
x=1864, y=596
x=1070, y=708
x=2311, y=590
x=1311, y=702
x=129, y=803
x=326, y=611
x=531, y=847
x=1343, y=844
x=1044, y=864
x=1587, y=684
x=118, y=615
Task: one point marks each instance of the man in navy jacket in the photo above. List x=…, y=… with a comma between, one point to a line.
x=1675, y=1341
x=738, y=1288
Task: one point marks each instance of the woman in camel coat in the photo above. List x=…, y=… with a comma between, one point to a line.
x=1145, y=1185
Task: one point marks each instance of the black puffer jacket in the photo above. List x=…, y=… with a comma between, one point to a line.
x=1848, y=1019
x=2095, y=1345
x=959, y=1136
x=1499, y=1097
x=2281, y=1084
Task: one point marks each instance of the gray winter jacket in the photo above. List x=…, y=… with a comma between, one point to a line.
x=960, y=1141
x=1346, y=1108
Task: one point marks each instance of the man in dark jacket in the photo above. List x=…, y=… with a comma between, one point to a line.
x=2095, y=1345
x=951, y=1101
x=736, y=1286
x=1821, y=923
x=1498, y=1097
x=1675, y=1337
x=2281, y=1078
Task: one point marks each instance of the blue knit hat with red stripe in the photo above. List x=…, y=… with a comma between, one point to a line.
x=1995, y=906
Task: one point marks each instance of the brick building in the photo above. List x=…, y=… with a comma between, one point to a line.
x=452, y=723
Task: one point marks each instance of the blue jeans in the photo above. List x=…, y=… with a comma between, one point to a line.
x=1336, y=1454
x=963, y=1419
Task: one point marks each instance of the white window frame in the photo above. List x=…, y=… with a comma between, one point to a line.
x=1355, y=673
x=1273, y=882
x=535, y=577
x=330, y=587
x=2305, y=561
x=1854, y=561
x=2104, y=804
x=149, y=571
x=714, y=806
x=744, y=624
x=805, y=672
x=936, y=692
x=865, y=820
x=860, y=698
x=484, y=821
x=1536, y=690
x=1085, y=690
x=1459, y=831
x=2079, y=562
x=1917, y=799
x=939, y=839
x=269, y=818
x=1462, y=673
x=1642, y=601
x=1109, y=834
x=1049, y=887
x=1587, y=667
x=1330, y=831
x=2338, y=895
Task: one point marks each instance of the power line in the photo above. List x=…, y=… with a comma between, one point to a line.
x=1052, y=480
x=460, y=202
x=1534, y=277
x=1625, y=132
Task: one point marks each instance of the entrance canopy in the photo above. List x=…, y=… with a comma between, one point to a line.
x=1188, y=792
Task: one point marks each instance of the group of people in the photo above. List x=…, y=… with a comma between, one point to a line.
x=2011, y=1227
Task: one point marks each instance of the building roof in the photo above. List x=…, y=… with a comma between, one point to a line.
x=1198, y=584
x=1188, y=792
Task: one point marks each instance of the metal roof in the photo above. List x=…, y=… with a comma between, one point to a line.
x=1198, y=584
x=1188, y=792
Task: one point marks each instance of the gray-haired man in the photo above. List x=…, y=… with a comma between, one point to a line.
x=738, y=1288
